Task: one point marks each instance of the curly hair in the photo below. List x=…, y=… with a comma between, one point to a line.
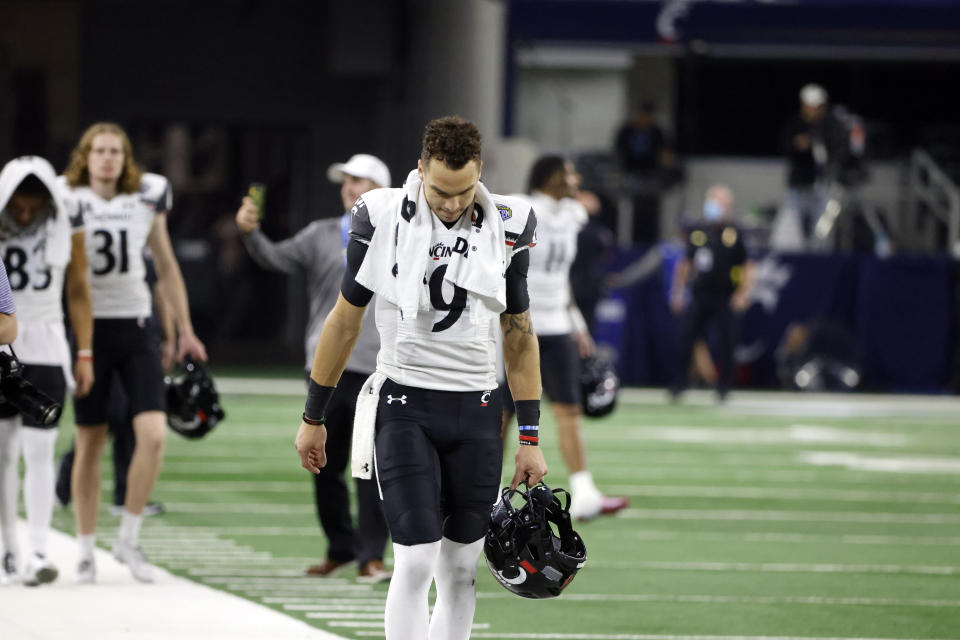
x=451, y=140
x=78, y=174
x=544, y=169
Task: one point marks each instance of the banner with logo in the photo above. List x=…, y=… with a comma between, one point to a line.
x=900, y=314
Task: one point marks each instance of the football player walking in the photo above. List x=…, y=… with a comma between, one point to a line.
x=124, y=210
x=446, y=259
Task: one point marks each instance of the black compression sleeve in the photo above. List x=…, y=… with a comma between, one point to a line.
x=318, y=397
x=354, y=292
x=518, y=300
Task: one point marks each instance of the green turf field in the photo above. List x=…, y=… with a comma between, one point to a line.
x=773, y=516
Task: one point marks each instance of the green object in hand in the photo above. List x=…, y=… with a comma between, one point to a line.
x=258, y=193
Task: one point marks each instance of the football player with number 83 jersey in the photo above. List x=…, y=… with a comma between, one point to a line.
x=124, y=212
x=43, y=247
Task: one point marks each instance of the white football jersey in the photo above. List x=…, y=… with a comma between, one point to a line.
x=451, y=346
x=35, y=259
x=117, y=231
x=37, y=285
x=548, y=281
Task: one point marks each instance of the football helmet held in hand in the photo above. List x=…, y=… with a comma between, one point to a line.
x=523, y=551
x=599, y=386
x=193, y=405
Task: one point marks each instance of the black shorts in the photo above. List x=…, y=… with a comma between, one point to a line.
x=49, y=379
x=126, y=348
x=559, y=371
x=439, y=456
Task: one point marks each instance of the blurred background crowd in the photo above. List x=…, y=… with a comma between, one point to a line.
x=828, y=122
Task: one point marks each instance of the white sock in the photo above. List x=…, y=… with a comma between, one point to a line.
x=582, y=482
x=86, y=543
x=456, y=590
x=9, y=481
x=407, y=614
x=130, y=527
x=39, y=479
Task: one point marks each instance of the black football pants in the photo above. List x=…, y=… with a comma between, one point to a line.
x=369, y=539
x=707, y=312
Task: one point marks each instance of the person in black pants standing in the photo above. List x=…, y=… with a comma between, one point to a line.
x=721, y=278
x=318, y=252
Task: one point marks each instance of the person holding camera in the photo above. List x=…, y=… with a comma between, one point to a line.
x=44, y=254
x=318, y=251
x=124, y=212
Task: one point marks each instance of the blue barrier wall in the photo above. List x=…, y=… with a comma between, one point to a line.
x=900, y=313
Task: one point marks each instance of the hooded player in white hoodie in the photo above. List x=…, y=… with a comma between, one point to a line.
x=43, y=249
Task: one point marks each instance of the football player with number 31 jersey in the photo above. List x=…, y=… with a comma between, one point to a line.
x=124, y=211
x=42, y=247
x=447, y=260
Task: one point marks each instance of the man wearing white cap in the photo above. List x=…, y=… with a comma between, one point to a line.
x=810, y=141
x=318, y=251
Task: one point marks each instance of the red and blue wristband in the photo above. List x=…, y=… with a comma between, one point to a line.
x=528, y=418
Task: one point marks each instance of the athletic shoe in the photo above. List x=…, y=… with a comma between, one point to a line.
x=328, y=568
x=87, y=571
x=150, y=509
x=374, y=572
x=39, y=571
x=8, y=572
x=588, y=505
x=612, y=504
x=133, y=556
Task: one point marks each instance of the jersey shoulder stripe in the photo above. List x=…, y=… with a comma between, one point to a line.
x=519, y=221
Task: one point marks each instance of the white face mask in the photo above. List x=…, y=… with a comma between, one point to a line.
x=712, y=210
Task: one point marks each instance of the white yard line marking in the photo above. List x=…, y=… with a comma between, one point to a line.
x=262, y=508
x=634, y=636
x=307, y=600
x=781, y=567
x=361, y=624
x=334, y=615
x=239, y=572
x=790, y=516
x=780, y=538
x=221, y=486
x=712, y=599
x=334, y=607
x=759, y=493
x=789, y=435
x=891, y=464
x=192, y=468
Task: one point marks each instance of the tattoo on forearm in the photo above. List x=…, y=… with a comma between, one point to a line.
x=516, y=322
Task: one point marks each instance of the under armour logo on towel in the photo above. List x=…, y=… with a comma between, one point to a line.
x=366, y=467
x=401, y=399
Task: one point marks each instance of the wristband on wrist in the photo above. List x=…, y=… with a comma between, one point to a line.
x=528, y=419
x=529, y=435
x=318, y=397
x=528, y=412
x=84, y=354
x=311, y=421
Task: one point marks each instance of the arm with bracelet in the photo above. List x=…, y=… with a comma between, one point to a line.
x=521, y=358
